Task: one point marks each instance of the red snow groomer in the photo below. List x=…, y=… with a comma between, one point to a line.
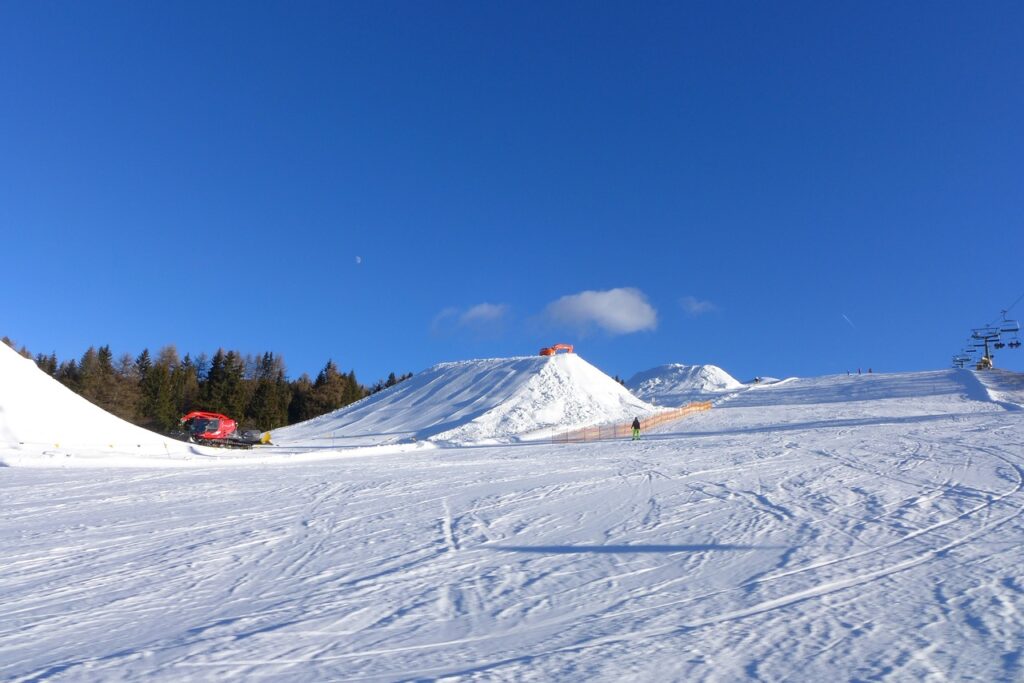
x=214, y=429
x=552, y=350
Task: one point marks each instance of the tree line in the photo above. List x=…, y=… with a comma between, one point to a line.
x=155, y=391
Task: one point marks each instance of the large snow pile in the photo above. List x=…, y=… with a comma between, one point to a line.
x=477, y=400
x=676, y=384
x=42, y=418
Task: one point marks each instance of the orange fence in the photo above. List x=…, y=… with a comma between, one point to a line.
x=616, y=431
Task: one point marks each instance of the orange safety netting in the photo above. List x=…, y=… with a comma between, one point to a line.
x=615, y=431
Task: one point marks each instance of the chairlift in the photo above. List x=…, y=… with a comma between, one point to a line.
x=999, y=345
x=1015, y=344
x=1008, y=326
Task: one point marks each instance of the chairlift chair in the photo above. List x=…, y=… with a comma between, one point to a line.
x=1008, y=326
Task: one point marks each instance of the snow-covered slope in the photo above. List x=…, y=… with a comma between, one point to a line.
x=40, y=416
x=474, y=401
x=676, y=384
x=1004, y=387
x=506, y=399
x=832, y=528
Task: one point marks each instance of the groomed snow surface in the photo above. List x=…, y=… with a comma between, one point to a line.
x=835, y=528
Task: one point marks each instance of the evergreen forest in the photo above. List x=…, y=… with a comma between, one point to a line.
x=155, y=391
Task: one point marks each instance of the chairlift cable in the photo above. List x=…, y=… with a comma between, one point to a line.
x=1010, y=307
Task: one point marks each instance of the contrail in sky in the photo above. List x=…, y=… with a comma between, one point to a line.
x=849, y=321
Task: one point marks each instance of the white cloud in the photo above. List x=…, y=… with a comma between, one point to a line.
x=481, y=317
x=483, y=313
x=618, y=311
x=442, y=320
x=695, y=306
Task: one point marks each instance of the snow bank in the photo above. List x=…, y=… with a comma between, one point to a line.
x=498, y=399
x=1003, y=387
x=676, y=384
x=41, y=420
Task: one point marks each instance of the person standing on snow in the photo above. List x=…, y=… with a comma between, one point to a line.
x=636, y=429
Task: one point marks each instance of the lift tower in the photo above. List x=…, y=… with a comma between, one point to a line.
x=985, y=335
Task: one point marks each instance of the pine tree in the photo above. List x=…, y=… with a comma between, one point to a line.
x=268, y=408
x=330, y=389
x=128, y=398
x=353, y=391
x=143, y=363
x=68, y=375
x=301, y=407
x=225, y=391
x=103, y=387
x=216, y=376
x=88, y=372
x=159, y=408
x=202, y=363
x=47, y=364
x=185, y=386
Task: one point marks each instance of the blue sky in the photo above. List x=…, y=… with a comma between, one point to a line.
x=776, y=188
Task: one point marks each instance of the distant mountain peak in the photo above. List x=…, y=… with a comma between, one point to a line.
x=677, y=383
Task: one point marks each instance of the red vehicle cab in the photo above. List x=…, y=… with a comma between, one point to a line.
x=214, y=429
x=203, y=426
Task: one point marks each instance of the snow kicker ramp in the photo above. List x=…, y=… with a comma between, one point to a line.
x=42, y=421
x=500, y=399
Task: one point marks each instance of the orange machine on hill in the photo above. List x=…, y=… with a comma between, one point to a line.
x=552, y=350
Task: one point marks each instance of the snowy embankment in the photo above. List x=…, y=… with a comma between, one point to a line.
x=836, y=528
x=43, y=422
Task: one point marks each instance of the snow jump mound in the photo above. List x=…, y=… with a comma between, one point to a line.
x=493, y=400
x=42, y=420
x=676, y=384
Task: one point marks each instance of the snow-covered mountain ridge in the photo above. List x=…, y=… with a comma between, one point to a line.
x=676, y=384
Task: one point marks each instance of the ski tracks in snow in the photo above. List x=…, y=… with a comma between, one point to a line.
x=729, y=550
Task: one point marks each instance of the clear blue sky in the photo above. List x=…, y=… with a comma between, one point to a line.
x=776, y=188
